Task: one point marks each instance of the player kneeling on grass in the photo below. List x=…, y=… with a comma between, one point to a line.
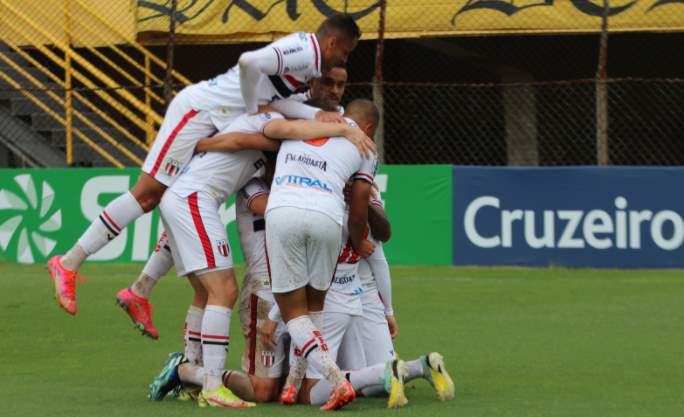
x=199, y=244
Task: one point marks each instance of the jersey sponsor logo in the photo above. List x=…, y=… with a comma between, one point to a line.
x=292, y=50
x=267, y=358
x=296, y=68
x=303, y=182
x=307, y=160
x=222, y=247
x=172, y=167
x=343, y=279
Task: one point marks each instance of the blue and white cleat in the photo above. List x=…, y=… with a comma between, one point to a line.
x=168, y=379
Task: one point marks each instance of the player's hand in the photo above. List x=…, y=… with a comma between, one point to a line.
x=366, y=249
x=329, y=117
x=393, y=327
x=267, y=334
x=363, y=143
x=265, y=108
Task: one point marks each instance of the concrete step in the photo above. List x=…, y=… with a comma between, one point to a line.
x=43, y=121
x=24, y=106
x=57, y=137
x=7, y=91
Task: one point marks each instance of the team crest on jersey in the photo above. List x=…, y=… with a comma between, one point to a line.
x=172, y=167
x=267, y=358
x=222, y=247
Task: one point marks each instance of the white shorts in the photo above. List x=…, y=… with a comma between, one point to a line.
x=302, y=248
x=341, y=334
x=256, y=360
x=198, y=239
x=175, y=143
x=375, y=335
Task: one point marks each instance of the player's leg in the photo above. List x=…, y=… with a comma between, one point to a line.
x=263, y=363
x=134, y=300
x=288, y=231
x=389, y=377
x=181, y=129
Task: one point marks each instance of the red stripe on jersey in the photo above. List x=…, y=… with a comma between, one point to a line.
x=293, y=81
x=315, y=48
x=280, y=61
x=189, y=115
x=112, y=222
x=252, y=333
x=201, y=231
x=190, y=332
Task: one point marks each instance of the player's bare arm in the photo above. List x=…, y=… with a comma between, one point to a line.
x=258, y=204
x=294, y=109
x=358, y=218
x=235, y=142
x=309, y=129
x=379, y=223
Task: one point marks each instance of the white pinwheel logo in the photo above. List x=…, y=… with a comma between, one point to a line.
x=33, y=218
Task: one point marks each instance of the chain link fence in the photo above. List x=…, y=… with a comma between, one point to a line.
x=470, y=82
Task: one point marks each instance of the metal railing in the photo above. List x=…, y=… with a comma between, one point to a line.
x=86, y=75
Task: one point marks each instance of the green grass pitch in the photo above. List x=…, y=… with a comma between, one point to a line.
x=518, y=342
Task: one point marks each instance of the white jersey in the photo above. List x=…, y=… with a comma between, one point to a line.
x=299, y=60
x=344, y=295
x=311, y=174
x=253, y=238
x=220, y=174
x=365, y=273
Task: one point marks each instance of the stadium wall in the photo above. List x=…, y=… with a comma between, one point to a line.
x=568, y=216
x=44, y=211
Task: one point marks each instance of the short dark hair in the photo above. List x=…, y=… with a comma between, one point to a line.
x=363, y=110
x=340, y=23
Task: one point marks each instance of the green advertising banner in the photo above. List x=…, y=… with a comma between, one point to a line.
x=44, y=211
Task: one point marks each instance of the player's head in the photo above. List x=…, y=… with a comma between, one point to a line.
x=330, y=87
x=365, y=114
x=337, y=37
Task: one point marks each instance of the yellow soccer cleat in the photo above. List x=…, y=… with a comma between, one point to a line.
x=437, y=376
x=222, y=398
x=393, y=381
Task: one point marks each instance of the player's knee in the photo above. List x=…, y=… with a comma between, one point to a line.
x=148, y=192
x=266, y=389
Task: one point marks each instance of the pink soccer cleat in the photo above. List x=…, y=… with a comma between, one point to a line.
x=65, y=284
x=288, y=396
x=340, y=397
x=139, y=310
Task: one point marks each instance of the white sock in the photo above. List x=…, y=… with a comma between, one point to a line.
x=159, y=263
x=113, y=219
x=215, y=342
x=193, y=335
x=363, y=379
x=299, y=364
x=415, y=370
x=297, y=371
x=192, y=374
x=310, y=342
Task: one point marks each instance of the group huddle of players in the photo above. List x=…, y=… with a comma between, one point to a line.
x=315, y=303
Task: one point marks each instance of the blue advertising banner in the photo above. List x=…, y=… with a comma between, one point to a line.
x=570, y=216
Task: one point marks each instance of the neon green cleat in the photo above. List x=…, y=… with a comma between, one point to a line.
x=437, y=376
x=222, y=398
x=393, y=381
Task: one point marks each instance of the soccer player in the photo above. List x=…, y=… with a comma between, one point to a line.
x=201, y=250
x=303, y=228
x=378, y=325
x=325, y=93
x=273, y=72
